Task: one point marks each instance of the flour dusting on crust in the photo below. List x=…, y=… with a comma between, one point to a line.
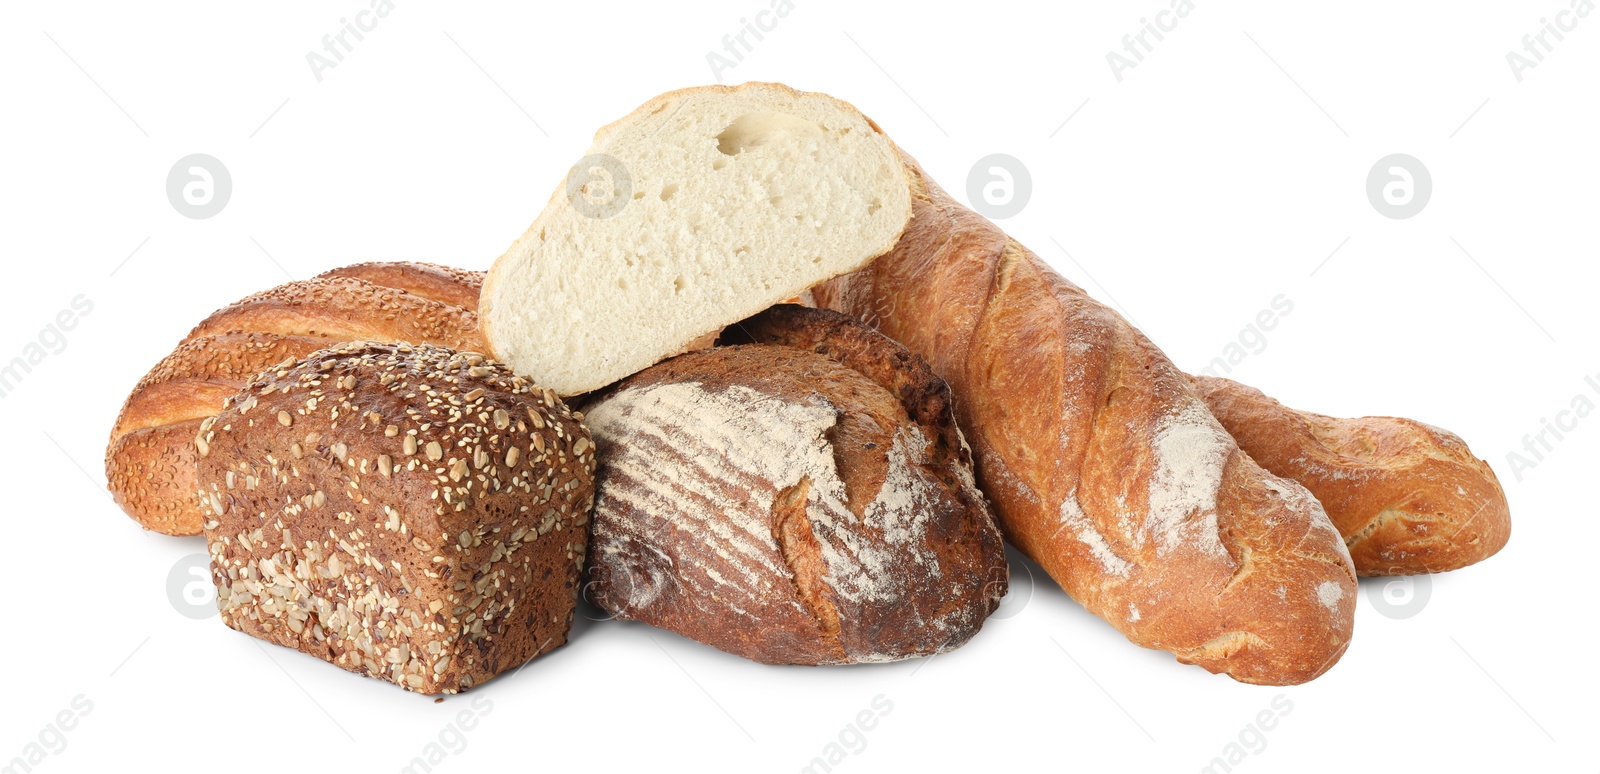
x=1076, y=523
x=1191, y=449
x=674, y=451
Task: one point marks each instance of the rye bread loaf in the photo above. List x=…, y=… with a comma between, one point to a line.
x=1408, y=497
x=149, y=460
x=808, y=504
x=1103, y=462
x=410, y=513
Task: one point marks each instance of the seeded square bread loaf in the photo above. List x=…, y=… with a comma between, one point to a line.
x=805, y=500
x=1408, y=497
x=150, y=459
x=410, y=513
x=698, y=209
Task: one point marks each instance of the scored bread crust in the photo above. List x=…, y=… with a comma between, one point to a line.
x=886, y=550
x=724, y=310
x=1408, y=497
x=410, y=513
x=1103, y=463
x=150, y=456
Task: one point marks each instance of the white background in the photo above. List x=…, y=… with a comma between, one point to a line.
x=1222, y=171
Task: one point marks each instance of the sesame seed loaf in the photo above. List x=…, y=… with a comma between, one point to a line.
x=346, y=309
x=1102, y=460
x=436, y=282
x=410, y=513
x=779, y=504
x=1408, y=497
x=149, y=459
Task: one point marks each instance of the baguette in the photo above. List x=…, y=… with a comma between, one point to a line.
x=1103, y=462
x=150, y=456
x=1408, y=497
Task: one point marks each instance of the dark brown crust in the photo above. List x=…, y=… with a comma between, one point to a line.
x=436, y=282
x=1061, y=397
x=925, y=397
x=1408, y=498
x=796, y=616
x=150, y=466
x=463, y=541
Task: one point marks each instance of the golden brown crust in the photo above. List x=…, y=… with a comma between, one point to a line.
x=414, y=514
x=885, y=550
x=346, y=309
x=1408, y=498
x=1102, y=461
x=436, y=282
x=149, y=458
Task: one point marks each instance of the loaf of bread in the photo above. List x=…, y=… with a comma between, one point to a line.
x=410, y=513
x=1103, y=462
x=1408, y=497
x=150, y=456
x=804, y=501
x=702, y=207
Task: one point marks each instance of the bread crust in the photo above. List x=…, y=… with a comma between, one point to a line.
x=433, y=281
x=1409, y=498
x=1102, y=461
x=763, y=560
x=150, y=455
x=346, y=309
x=410, y=513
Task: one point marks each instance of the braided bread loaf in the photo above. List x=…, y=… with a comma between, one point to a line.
x=150, y=458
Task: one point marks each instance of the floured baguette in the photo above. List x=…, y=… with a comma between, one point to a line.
x=701, y=208
x=1102, y=460
x=1408, y=497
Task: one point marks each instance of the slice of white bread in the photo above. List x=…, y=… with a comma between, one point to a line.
x=697, y=210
